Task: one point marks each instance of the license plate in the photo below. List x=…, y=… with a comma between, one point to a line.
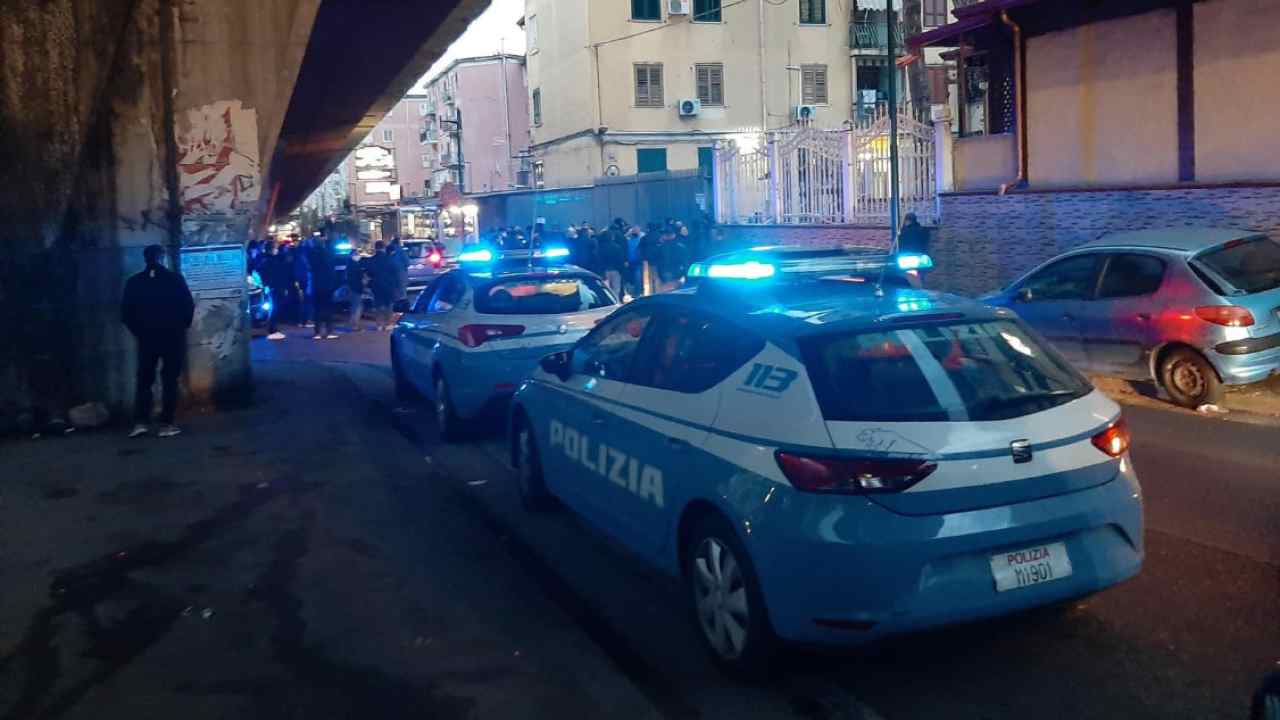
x=1030, y=566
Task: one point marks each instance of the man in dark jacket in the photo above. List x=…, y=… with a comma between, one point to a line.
x=913, y=238
x=382, y=280
x=277, y=274
x=355, y=289
x=612, y=255
x=324, y=281
x=157, y=308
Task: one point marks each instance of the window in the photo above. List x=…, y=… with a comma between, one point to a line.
x=543, y=296
x=706, y=10
x=648, y=85
x=537, y=107
x=690, y=353
x=710, y=81
x=935, y=13
x=651, y=160
x=451, y=290
x=813, y=12
x=813, y=84
x=423, y=109
x=426, y=160
x=531, y=34
x=608, y=350
x=645, y=10
x=1071, y=278
x=388, y=135
x=966, y=371
x=1251, y=266
x=1131, y=276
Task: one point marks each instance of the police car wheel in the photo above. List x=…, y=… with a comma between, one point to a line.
x=447, y=421
x=533, y=490
x=727, y=603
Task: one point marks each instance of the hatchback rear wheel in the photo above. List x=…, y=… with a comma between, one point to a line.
x=1189, y=379
x=727, y=603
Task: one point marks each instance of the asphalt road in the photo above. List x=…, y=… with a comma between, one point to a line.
x=356, y=567
x=1189, y=638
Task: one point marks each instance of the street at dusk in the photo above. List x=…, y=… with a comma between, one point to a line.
x=652, y=359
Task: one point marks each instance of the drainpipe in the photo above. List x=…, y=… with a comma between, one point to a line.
x=764, y=94
x=1020, y=102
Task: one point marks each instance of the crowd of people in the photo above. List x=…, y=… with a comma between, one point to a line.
x=633, y=260
x=307, y=288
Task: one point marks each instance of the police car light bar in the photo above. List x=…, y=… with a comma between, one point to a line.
x=781, y=262
x=555, y=252
x=483, y=255
x=749, y=270
x=914, y=261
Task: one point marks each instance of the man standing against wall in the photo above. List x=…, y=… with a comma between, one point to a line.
x=157, y=308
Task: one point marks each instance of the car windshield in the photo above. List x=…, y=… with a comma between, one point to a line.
x=1251, y=266
x=993, y=370
x=547, y=295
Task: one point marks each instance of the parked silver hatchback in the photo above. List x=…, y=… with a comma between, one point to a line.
x=1192, y=308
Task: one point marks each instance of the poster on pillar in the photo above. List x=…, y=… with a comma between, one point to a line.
x=218, y=161
x=216, y=271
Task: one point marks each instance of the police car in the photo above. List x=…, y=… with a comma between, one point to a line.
x=826, y=454
x=477, y=331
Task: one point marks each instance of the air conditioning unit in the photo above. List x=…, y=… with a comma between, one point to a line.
x=677, y=7
x=690, y=107
x=805, y=113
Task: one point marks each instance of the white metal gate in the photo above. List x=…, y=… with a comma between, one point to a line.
x=808, y=176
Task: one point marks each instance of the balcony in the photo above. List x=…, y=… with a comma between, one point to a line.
x=870, y=36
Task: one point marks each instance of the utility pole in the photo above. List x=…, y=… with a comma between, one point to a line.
x=764, y=94
x=891, y=51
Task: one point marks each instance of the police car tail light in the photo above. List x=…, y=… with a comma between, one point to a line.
x=1113, y=441
x=477, y=335
x=849, y=475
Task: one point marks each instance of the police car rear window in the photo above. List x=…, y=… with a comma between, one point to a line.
x=974, y=371
x=551, y=295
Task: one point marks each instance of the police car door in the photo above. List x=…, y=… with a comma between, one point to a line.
x=665, y=418
x=437, y=325
x=583, y=458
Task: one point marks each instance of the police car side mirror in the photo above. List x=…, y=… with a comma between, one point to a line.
x=1023, y=294
x=558, y=364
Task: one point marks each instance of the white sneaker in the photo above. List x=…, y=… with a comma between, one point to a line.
x=276, y=336
x=167, y=431
x=331, y=336
x=139, y=430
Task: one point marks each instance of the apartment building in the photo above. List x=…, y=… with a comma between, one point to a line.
x=391, y=163
x=489, y=96
x=618, y=87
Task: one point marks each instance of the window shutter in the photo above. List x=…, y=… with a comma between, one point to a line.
x=655, y=85
x=642, y=85
x=716, y=83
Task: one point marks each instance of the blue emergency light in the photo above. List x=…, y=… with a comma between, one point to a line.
x=482, y=255
x=914, y=261
x=748, y=270
x=555, y=252
x=343, y=246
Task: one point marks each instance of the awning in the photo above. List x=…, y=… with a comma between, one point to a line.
x=968, y=19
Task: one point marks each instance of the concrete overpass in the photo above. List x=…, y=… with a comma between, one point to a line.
x=187, y=123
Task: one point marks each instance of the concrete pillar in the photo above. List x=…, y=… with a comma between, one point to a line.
x=124, y=125
x=942, y=148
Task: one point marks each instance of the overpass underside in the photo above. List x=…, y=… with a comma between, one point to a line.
x=184, y=123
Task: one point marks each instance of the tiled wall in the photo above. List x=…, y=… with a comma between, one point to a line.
x=984, y=241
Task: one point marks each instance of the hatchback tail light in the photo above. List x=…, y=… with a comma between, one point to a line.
x=852, y=475
x=1113, y=441
x=1228, y=315
x=477, y=335
x=434, y=258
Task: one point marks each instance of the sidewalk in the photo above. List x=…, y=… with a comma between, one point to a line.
x=295, y=558
x=1258, y=404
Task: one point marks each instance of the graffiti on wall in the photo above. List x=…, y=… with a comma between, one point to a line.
x=218, y=166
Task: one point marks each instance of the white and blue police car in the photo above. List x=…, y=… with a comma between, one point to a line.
x=828, y=455
x=475, y=332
